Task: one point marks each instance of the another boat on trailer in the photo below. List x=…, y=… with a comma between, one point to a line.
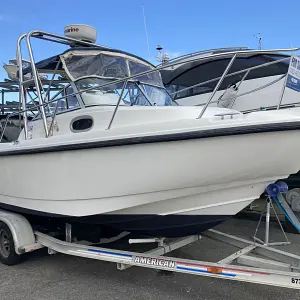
x=11, y=121
x=111, y=148
x=255, y=80
x=12, y=69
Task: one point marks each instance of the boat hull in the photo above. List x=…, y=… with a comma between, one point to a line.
x=150, y=188
x=185, y=213
x=170, y=226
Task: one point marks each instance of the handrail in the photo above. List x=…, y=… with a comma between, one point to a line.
x=3, y=128
x=242, y=80
x=246, y=111
x=246, y=93
x=154, y=70
x=232, y=74
x=52, y=78
x=41, y=35
x=246, y=74
x=258, y=88
x=36, y=80
x=282, y=91
x=22, y=98
x=217, y=86
x=117, y=106
x=201, y=52
x=272, y=107
x=66, y=40
x=217, y=55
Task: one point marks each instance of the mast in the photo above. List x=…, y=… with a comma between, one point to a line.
x=259, y=39
x=163, y=58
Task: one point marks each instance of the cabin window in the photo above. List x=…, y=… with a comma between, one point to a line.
x=82, y=123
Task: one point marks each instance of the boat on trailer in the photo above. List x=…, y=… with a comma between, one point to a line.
x=255, y=81
x=111, y=148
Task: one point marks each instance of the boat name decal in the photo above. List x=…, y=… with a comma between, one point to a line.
x=155, y=262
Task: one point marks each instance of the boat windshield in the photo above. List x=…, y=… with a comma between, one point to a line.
x=91, y=69
x=134, y=93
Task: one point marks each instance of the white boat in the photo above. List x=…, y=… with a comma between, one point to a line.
x=12, y=68
x=258, y=89
x=120, y=154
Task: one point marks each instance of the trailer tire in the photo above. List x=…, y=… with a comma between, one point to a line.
x=8, y=255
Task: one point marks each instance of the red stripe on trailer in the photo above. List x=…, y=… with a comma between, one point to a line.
x=228, y=269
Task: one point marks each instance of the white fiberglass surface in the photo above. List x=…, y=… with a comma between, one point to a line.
x=147, y=121
x=140, y=171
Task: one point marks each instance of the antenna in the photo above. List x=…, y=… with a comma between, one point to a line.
x=258, y=37
x=146, y=32
x=163, y=58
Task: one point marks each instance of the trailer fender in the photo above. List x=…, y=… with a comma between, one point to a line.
x=21, y=230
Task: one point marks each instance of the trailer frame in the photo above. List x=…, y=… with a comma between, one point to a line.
x=269, y=266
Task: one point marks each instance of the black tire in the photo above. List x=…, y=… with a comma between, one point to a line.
x=8, y=255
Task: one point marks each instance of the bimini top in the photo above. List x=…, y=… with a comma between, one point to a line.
x=79, y=62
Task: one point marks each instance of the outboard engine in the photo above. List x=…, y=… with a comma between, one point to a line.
x=228, y=97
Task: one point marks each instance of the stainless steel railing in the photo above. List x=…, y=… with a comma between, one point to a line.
x=182, y=58
x=218, y=85
x=247, y=70
x=65, y=40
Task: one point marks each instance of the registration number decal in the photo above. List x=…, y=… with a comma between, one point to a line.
x=296, y=280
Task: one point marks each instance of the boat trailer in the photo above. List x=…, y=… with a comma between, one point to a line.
x=270, y=266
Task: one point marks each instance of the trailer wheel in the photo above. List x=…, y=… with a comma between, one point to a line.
x=8, y=255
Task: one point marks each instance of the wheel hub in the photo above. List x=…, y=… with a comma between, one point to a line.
x=4, y=243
